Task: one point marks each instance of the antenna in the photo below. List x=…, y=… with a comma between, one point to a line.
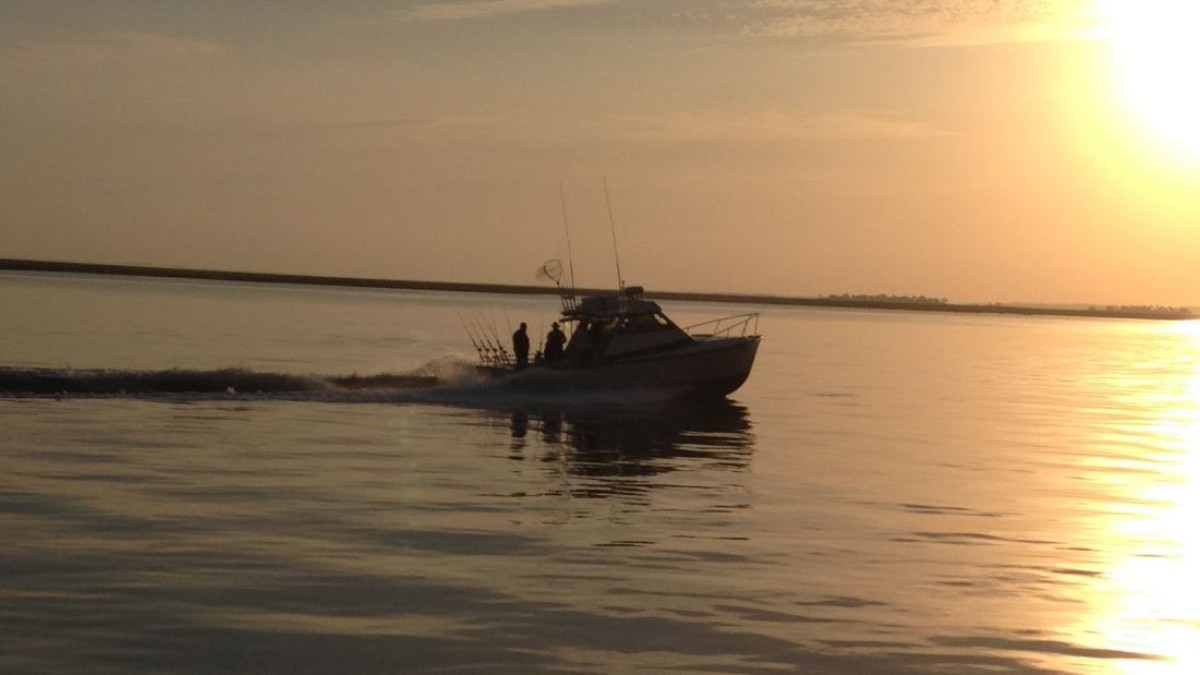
x=612, y=225
x=562, y=195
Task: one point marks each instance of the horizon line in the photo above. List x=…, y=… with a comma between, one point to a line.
x=844, y=301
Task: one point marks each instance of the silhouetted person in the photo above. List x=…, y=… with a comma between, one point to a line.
x=555, y=340
x=521, y=347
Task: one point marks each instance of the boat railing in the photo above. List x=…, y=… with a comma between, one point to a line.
x=740, y=325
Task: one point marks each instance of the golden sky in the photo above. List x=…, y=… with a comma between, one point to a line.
x=1010, y=151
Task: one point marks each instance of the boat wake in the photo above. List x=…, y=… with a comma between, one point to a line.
x=447, y=380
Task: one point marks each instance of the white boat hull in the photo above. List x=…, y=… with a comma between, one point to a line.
x=710, y=367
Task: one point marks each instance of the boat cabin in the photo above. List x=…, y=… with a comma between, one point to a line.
x=618, y=326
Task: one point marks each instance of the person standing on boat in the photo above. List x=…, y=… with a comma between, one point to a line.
x=555, y=340
x=521, y=347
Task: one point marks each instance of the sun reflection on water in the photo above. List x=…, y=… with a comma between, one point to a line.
x=1148, y=603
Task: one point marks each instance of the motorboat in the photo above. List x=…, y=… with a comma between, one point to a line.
x=623, y=341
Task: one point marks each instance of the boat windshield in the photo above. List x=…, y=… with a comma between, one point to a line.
x=644, y=323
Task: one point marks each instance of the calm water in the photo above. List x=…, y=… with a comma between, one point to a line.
x=889, y=493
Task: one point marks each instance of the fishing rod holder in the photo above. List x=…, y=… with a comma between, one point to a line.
x=567, y=297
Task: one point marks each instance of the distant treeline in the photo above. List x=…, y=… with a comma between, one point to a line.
x=899, y=299
x=1146, y=309
x=922, y=301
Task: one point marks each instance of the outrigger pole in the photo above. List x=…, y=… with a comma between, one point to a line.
x=612, y=225
x=562, y=196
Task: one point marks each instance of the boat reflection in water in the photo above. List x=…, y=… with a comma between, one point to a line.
x=628, y=450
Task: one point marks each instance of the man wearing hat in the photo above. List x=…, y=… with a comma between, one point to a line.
x=555, y=340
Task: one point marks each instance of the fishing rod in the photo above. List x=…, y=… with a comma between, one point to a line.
x=489, y=350
x=499, y=342
x=492, y=337
x=471, y=336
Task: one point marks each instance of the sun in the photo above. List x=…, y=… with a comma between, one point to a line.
x=1156, y=46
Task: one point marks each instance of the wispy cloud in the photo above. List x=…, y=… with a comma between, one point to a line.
x=482, y=9
x=151, y=44
x=121, y=45
x=763, y=126
x=697, y=127
x=919, y=21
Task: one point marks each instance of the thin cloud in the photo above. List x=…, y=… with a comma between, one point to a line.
x=122, y=45
x=163, y=46
x=919, y=22
x=483, y=9
x=767, y=126
x=745, y=127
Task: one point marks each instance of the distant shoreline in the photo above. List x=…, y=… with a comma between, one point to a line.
x=22, y=265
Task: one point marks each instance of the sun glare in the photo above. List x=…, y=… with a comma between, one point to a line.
x=1157, y=54
x=1150, y=609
